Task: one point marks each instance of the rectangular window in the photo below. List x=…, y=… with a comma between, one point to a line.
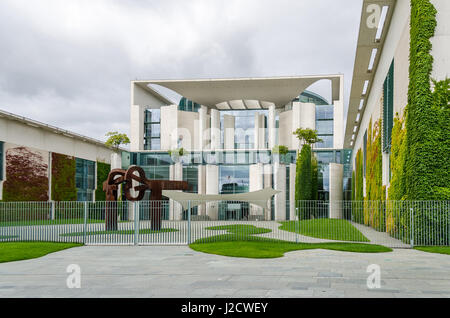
x=327, y=142
x=85, y=179
x=152, y=129
x=324, y=126
x=388, y=108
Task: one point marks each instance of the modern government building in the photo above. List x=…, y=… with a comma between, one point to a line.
x=228, y=128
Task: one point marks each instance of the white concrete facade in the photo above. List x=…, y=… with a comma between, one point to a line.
x=43, y=139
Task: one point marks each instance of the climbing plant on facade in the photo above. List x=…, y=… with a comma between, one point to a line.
x=427, y=122
x=102, y=175
x=63, y=178
x=26, y=176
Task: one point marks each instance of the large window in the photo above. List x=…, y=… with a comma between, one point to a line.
x=234, y=179
x=324, y=126
x=244, y=127
x=190, y=174
x=152, y=129
x=85, y=179
x=388, y=108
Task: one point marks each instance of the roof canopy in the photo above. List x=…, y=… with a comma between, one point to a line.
x=259, y=197
x=245, y=93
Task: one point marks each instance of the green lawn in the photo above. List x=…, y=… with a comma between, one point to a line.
x=122, y=232
x=240, y=229
x=434, y=249
x=331, y=229
x=51, y=222
x=269, y=248
x=17, y=251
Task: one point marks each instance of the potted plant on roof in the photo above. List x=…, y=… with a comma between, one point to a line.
x=280, y=152
x=176, y=154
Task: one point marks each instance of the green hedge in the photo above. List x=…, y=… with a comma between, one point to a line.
x=103, y=170
x=63, y=178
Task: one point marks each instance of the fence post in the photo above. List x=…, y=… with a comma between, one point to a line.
x=296, y=225
x=136, y=222
x=85, y=222
x=411, y=221
x=189, y=222
x=52, y=212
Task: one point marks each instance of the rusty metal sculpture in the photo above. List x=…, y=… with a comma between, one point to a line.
x=135, y=187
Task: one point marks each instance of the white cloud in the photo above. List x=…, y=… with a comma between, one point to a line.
x=69, y=63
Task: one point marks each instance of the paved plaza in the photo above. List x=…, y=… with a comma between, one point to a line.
x=178, y=271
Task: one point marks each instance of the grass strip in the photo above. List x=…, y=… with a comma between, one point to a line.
x=330, y=229
x=17, y=251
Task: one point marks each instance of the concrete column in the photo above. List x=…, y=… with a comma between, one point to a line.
x=169, y=127
x=292, y=174
x=175, y=209
x=295, y=124
x=308, y=115
x=279, y=178
x=256, y=183
x=268, y=173
x=256, y=132
x=136, y=127
x=215, y=129
x=228, y=133
x=336, y=190
x=116, y=161
x=202, y=187
x=259, y=132
x=271, y=123
x=202, y=122
x=212, y=187
x=338, y=125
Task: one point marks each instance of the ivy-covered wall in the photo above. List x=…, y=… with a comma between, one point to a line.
x=26, y=176
x=102, y=174
x=63, y=178
x=374, y=174
x=428, y=117
x=397, y=188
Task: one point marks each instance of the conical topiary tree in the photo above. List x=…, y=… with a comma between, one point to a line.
x=306, y=171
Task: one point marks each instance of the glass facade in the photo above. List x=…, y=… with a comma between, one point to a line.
x=244, y=125
x=85, y=179
x=310, y=97
x=233, y=179
x=238, y=157
x=324, y=125
x=152, y=129
x=188, y=105
x=388, y=108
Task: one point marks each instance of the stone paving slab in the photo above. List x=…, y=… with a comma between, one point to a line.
x=178, y=271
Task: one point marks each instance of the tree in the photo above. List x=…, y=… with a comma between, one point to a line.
x=308, y=136
x=115, y=139
x=306, y=170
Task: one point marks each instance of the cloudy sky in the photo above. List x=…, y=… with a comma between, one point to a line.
x=69, y=63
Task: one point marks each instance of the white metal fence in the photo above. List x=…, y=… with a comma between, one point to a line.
x=389, y=223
